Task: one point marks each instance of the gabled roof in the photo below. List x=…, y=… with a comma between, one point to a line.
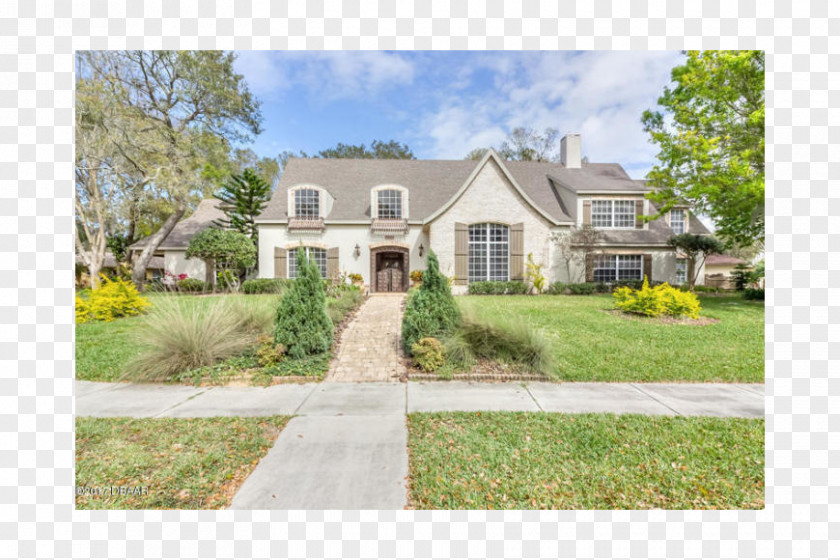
x=205, y=214
x=723, y=259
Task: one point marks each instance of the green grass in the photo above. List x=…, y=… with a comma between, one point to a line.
x=591, y=345
x=190, y=463
x=102, y=349
x=519, y=460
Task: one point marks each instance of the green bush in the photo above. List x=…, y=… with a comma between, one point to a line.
x=512, y=342
x=302, y=325
x=655, y=302
x=428, y=353
x=264, y=286
x=754, y=294
x=111, y=300
x=699, y=288
x=497, y=288
x=191, y=285
x=430, y=310
x=269, y=353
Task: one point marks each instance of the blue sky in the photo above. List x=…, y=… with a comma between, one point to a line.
x=443, y=103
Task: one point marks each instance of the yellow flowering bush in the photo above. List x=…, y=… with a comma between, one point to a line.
x=655, y=302
x=113, y=299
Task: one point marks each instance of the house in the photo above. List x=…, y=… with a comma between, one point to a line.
x=110, y=266
x=718, y=270
x=172, y=250
x=379, y=218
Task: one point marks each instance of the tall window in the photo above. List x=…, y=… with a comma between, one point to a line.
x=614, y=213
x=682, y=271
x=319, y=256
x=678, y=221
x=307, y=203
x=609, y=268
x=489, y=255
x=390, y=204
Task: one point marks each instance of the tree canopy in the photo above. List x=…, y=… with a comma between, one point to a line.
x=227, y=248
x=710, y=132
x=695, y=248
x=244, y=198
x=525, y=144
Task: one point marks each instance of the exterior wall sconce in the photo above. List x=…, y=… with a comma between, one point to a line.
x=421, y=249
x=357, y=251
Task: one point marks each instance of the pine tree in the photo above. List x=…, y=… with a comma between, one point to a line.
x=431, y=311
x=302, y=325
x=244, y=197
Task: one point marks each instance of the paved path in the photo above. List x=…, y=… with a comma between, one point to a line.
x=370, y=345
x=346, y=447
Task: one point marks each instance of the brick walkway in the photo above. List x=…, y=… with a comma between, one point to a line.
x=370, y=345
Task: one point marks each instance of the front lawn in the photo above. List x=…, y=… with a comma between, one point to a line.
x=593, y=345
x=182, y=463
x=520, y=460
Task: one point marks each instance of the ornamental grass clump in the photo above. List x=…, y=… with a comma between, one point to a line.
x=504, y=341
x=302, y=324
x=430, y=310
x=658, y=301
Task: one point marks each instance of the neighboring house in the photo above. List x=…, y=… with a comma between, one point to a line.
x=379, y=218
x=719, y=270
x=172, y=249
x=109, y=268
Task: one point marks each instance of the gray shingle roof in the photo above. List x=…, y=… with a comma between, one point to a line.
x=658, y=232
x=205, y=214
x=111, y=261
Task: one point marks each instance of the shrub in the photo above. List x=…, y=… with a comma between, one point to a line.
x=416, y=275
x=264, y=286
x=302, y=325
x=534, y=274
x=338, y=308
x=430, y=310
x=111, y=300
x=497, y=288
x=355, y=278
x=428, y=353
x=703, y=289
x=269, y=353
x=658, y=301
x=513, y=342
x=191, y=285
x=754, y=294
x=183, y=334
x=227, y=279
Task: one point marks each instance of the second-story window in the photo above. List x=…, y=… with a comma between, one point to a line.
x=613, y=213
x=307, y=203
x=390, y=204
x=678, y=221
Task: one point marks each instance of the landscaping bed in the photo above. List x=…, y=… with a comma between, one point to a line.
x=168, y=463
x=519, y=460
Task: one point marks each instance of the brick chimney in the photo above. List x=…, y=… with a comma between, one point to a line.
x=570, y=150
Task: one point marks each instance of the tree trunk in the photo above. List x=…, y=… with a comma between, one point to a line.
x=138, y=273
x=210, y=275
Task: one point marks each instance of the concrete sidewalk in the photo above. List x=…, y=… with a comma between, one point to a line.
x=352, y=399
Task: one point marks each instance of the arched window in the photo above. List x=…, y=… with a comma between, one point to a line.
x=319, y=256
x=307, y=203
x=390, y=204
x=489, y=253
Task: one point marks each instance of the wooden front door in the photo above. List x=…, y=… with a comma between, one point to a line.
x=389, y=272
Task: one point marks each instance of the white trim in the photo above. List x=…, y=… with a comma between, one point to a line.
x=487, y=244
x=491, y=153
x=612, y=202
x=615, y=193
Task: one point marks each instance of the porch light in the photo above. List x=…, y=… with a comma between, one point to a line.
x=421, y=249
x=357, y=251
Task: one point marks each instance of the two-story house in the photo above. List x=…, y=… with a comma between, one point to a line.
x=379, y=218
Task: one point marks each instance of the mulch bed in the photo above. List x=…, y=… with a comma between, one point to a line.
x=662, y=320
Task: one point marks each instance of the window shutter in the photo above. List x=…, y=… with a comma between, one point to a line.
x=648, y=266
x=587, y=212
x=640, y=211
x=279, y=262
x=461, y=252
x=589, y=272
x=332, y=263
x=517, y=251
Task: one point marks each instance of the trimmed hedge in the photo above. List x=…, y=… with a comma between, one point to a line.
x=264, y=286
x=589, y=288
x=498, y=288
x=191, y=285
x=754, y=294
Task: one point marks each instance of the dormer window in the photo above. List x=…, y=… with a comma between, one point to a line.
x=307, y=203
x=614, y=214
x=390, y=204
x=677, y=218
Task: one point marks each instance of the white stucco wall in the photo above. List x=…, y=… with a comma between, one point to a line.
x=664, y=264
x=489, y=198
x=176, y=263
x=345, y=237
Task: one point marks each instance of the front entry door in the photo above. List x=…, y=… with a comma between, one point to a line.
x=389, y=273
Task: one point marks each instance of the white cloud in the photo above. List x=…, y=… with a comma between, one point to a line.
x=325, y=75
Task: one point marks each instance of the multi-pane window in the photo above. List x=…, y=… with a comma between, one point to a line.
x=678, y=221
x=390, y=204
x=682, y=271
x=489, y=255
x=307, y=203
x=319, y=256
x=609, y=268
x=613, y=213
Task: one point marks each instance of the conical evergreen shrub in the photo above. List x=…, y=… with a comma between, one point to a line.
x=431, y=311
x=302, y=324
